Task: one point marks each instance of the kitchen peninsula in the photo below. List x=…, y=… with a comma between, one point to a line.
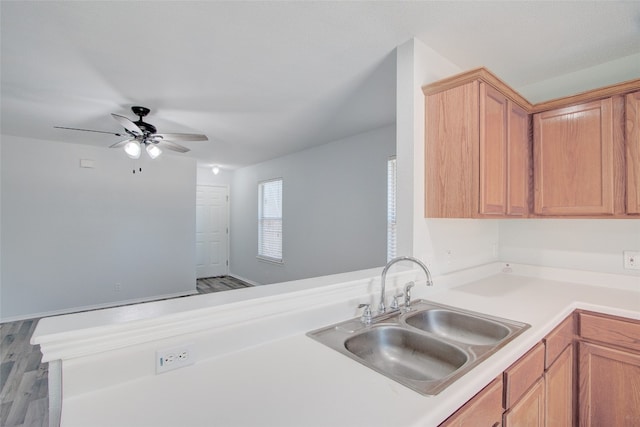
x=256, y=367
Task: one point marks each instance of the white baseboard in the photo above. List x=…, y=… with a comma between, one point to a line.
x=95, y=307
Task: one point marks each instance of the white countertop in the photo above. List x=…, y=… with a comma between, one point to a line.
x=296, y=381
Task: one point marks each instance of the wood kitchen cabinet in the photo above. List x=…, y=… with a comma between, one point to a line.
x=609, y=393
x=490, y=153
x=632, y=140
x=524, y=390
x=477, y=149
x=585, y=372
x=483, y=410
x=559, y=376
x=504, y=155
x=528, y=411
x=577, y=158
x=559, y=390
x=609, y=371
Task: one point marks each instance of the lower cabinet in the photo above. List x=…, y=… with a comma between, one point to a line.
x=524, y=398
x=529, y=410
x=609, y=371
x=483, y=410
x=559, y=390
x=609, y=391
x=587, y=376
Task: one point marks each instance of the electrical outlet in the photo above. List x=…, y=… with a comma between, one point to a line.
x=117, y=286
x=631, y=260
x=449, y=256
x=173, y=358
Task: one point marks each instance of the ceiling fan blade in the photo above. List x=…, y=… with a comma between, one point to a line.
x=89, y=130
x=127, y=124
x=121, y=143
x=182, y=137
x=172, y=146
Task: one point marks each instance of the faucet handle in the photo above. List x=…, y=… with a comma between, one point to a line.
x=395, y=305
x=366, y=313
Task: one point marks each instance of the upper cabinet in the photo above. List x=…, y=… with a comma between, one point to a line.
x=477, y=153
x=504, y=155
x=574, y=160
x=489, y=153
x=632, y=130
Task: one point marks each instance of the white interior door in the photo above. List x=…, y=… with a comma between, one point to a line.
x=212, y=226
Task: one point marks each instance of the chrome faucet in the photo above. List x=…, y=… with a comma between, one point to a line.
x=382, y=307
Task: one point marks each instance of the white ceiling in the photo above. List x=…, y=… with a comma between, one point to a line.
x=263, y=79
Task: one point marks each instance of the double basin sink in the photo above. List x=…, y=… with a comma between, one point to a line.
x=426, y=348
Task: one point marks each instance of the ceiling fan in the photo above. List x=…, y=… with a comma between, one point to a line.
x=142, y=134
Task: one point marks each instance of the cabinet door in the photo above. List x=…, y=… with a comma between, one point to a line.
x=483, y=410
x=609, y=387
x=451, y=152
x=617, y=331
x=558, y=380
x=558, y=340
x=503, y=155
x=518, y=161
x=632, y=142
x=493, y=151
x=528, y=411
x=574, y=160
x=520, y=376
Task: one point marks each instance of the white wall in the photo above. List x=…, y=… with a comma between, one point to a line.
x=581, y=244
x=70, y=234
x=445, y=245
x=453, y=244
x=612, y=72
x=204, y=176
x=334, y=209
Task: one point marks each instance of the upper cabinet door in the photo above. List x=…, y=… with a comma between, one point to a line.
x=574, y=160
x=504, y=155
x=493, y=151
x=451, y=153
x=633, y=152
x=518, y=161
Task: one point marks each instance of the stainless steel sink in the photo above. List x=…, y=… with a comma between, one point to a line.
x=426, y=348
x=400, y=352
x=469, y=329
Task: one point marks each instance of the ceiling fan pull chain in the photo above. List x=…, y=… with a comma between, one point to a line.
x=135, y=166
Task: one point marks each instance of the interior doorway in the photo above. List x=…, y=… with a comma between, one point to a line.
x=212, y=231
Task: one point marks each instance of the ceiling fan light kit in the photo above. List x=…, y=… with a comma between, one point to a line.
x=141, y=134
x=133, y=150
x=153, y=151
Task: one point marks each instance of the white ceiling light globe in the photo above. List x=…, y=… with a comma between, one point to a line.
x=153, y=151
x=133, y=150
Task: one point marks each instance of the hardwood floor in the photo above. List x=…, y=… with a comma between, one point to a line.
x=24, y=391
x=218, y=284
x=23, y=379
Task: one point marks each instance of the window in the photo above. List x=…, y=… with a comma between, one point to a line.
x=391, y=208
x=270, y=220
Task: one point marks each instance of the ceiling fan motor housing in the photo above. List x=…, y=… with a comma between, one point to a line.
x=142, y=112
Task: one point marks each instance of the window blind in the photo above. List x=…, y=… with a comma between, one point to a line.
x=391, y=208
x=270, y=220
